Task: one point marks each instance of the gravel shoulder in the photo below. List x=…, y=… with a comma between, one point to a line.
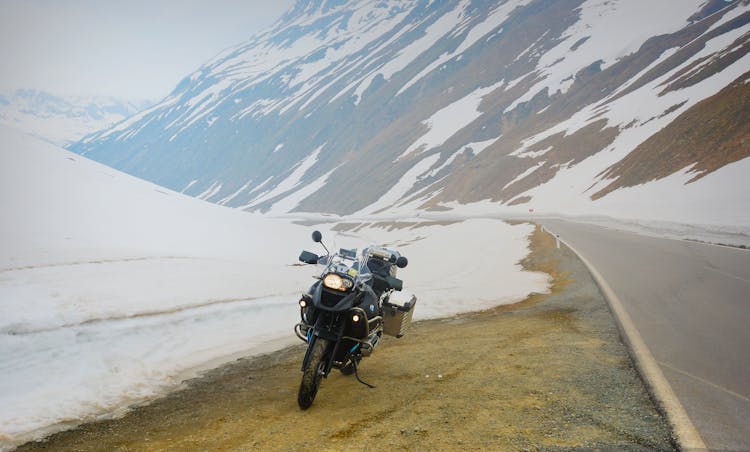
x=550, y=372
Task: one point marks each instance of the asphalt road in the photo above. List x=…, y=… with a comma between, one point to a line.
x=690, y=302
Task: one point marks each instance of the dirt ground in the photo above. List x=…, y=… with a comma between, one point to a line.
x=550, y=373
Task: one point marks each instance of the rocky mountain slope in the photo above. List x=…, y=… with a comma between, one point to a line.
x=360, y=107
x=62, y=120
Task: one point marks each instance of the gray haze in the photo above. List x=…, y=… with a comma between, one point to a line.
x=134, y=49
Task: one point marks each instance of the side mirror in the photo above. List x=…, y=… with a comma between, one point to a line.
x=308, y=257
x=402, y=262
x=317, y=236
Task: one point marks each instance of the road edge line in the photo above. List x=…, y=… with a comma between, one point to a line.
x=686, y=434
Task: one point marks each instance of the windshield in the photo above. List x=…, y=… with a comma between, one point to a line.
x=355, y=265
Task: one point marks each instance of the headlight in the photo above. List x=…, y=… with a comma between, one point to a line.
x=336, y=282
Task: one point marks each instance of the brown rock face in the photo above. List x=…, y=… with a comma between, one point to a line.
x=711, y=134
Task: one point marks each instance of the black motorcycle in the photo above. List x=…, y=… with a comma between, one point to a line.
x=346, y=312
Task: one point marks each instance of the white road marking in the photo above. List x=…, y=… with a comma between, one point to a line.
x=703, y=380
x=740, y=278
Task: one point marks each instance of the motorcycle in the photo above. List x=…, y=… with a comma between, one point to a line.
x=347, y=310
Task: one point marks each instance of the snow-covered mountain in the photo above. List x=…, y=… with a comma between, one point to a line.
x=62, y=120
x=627, y=108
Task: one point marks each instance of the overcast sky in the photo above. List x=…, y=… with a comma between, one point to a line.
x=133, y=49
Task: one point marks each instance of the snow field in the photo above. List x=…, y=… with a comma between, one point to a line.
x=466, y=266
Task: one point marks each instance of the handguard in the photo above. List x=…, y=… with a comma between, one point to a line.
x=394, y=283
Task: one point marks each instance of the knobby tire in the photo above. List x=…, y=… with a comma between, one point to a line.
x=311, y=375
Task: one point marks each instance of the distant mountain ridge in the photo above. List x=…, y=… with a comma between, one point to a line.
x=63, y=120
x=358, y=107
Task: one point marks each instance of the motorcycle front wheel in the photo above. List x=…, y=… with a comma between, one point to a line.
x=312, y=374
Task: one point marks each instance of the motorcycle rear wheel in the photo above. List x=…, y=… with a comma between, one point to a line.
x=312, y=374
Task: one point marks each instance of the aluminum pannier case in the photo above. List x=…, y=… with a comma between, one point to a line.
x=397, y=318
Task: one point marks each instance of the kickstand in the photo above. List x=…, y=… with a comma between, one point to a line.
x=356, y=375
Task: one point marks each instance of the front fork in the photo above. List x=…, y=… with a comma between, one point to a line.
x=326, y=328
